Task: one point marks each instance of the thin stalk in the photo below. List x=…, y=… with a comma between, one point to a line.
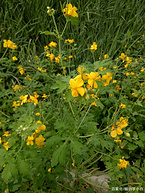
x=83, y=119
x=72, y=110
x=4, y=53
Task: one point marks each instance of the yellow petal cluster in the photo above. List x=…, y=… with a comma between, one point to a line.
x=70, y=10
x=123, y=163
x=39, y=141
x=76, y=86
x=9, y=44
x=93, y=46
x=106, y=78
x=16, y=87
x=121, y=124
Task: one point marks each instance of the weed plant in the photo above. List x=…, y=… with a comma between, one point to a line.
x=70, y=106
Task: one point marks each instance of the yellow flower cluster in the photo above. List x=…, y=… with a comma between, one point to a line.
x=78, y=84
x=14, y=58
x=41, y=70
x=16, y=87
x=69, y=41
x=5, y=143
x=27, y=77
x=25, y=99
x=117, y=128
x=21, y=70
x=52, y=44
x=123, y=163
x=122, y=105
x=70, y=10
x=93, y=46
x=38, y=140
x=9, y=44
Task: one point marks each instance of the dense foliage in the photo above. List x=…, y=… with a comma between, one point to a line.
x=72, y=95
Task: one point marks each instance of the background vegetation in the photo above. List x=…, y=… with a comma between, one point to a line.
x=111, y=25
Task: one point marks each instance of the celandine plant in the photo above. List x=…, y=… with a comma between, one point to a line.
x=58, y=116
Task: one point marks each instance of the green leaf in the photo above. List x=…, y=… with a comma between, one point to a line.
x=48, y=33
x=2, y=157
x=140, y=143
x=59, y=156
x=136, y=170
x=132, y=146
x=142, y=136
x=53, y=140
x=76, y=146
x=99, y=104
x=23, y=167
x=6, y=174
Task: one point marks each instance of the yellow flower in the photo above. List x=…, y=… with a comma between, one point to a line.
x=23, y=99
x=135, y=60
x=132, y=73
x=42, y=127
x=75, y=86
x=39, y=141
x=135, y=95
x=128, y=60
x=122, y=56
x=37, y=114
x=34, y=100
x=52, y=44
x=94, y=104
x=126, y=65
x=123, y=163
x=70, y=10
x=115, y=67
x=30, y=140
x=44, y=96
x=46, y=47
x=102, y=69
x=70, y=56
x=36, y=57
x=116, y=132
x=122, y=105
x=70, y=41
x=93, y=46
x=36, y=95
x=51, y=56
x=106, y=78
x=16, y=87
x=47, y=54
x=21, y=70
x=6, y=146
x=106, y=56
x=80, y=69
x=0, y=140
x=123, y=122
x=49, y=170
x=114, y=81
x=6, y=133
x=9, y=44
x=142, y=70
x=92, y=77
x=73, y=164
x=127, y=74
x=56, y=60
x=39, y=122
x=117, y=140
x=16, y=104
x=14, y=58
x=58, y=74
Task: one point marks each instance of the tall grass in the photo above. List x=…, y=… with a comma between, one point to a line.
x=112, y=24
